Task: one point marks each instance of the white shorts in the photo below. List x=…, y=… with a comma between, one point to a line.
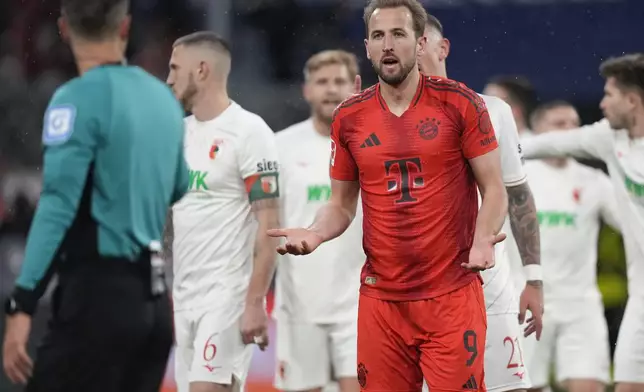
x=309, y=354
x=629, y=353
x=209, y=349
x=575, y=337
x=505, y=369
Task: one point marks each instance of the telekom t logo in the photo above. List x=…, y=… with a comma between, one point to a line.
x=405, y=178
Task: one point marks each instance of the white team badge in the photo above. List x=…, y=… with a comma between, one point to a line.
x=59, y=124
x=269, y=184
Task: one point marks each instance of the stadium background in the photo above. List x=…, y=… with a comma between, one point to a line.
x=557, y=44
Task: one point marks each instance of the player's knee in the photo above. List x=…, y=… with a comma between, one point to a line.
x=629, y=387
x=349, y=384
x=583, y=386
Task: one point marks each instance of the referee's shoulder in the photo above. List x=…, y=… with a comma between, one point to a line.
x=79, y=85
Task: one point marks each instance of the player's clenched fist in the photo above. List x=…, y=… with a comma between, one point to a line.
x=298, y=241
x=482, y=253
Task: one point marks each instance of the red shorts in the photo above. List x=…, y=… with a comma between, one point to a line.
x=441, y=339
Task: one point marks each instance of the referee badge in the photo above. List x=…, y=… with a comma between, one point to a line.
x=59, y=124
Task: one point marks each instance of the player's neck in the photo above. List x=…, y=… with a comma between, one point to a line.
x=636, y=131
x=89, y=55
x=441, y=72
x=210, y=105
x=322, y=127
x=398, y=98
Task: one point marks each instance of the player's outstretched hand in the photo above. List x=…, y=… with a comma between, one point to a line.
x=482, y=253
x=532, y=300
x=357, y=85
x=298, y=241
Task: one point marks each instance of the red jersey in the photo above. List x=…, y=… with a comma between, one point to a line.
x=419, y=195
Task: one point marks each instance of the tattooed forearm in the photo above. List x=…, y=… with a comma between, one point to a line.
x=168, y=237
x=524, y=223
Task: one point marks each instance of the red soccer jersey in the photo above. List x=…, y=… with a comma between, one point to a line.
x=418, y=191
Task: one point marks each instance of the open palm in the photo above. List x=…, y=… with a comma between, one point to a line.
x=298, y=241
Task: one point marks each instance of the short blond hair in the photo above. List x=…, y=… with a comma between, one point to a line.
x=332, y=57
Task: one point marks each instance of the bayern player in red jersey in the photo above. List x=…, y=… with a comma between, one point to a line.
x=415, y=148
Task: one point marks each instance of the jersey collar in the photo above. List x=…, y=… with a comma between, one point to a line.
x=414, y=101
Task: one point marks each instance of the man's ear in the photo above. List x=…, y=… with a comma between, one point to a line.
x=63, y=29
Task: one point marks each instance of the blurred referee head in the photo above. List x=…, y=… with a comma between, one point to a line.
x=518, y=92
x=623, y=98
x=95, y=20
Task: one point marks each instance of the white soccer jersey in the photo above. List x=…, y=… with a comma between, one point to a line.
x=230, y=158
x=497, y=281
x=570, y=202
x=321, y=287
x=625, y=161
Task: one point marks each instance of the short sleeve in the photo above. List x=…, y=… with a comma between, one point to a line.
x=258, y=163
x=509, y=146
x=342, y=164
x=478, y=137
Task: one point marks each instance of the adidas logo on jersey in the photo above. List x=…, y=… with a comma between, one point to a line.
x=371, y=141
x=471, y=384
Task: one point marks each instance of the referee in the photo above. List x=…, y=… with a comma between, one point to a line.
x=113, y=165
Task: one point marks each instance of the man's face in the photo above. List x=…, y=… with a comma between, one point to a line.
x=615, y=105
x=392, y=45
x=181, y=77
x=558, y=119
x=496, y=91
x=326, y=88
x=431, y=60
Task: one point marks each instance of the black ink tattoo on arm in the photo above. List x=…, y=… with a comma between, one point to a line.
x=168, y=238
x=524, y=223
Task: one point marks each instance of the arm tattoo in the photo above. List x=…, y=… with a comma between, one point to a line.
x=263, y=204
x=524, y=223
x=168, y=237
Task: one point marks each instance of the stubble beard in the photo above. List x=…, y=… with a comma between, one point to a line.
x=397, y=78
